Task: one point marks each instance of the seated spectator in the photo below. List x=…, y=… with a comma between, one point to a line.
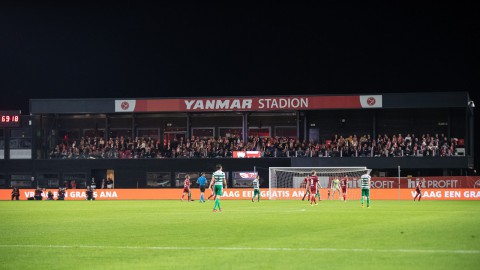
x=342, y=145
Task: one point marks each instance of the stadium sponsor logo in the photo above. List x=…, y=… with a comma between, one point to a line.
x=246, y=194
x=240, y=154
x=218, y=104
x=246, y=154
x=411, y=183
x=125, y=105
x=371, y=101
x=374, y=183
x=381, y=184
x=477, y=183
x=77, y=194
x=471, y=194
x=448, y=194
x=434, y=183
x=248, y=175
x=430, y=182
x=283, y=103
x=246, y=104
x=429, y=194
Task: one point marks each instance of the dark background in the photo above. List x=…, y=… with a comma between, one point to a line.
x=126, y=49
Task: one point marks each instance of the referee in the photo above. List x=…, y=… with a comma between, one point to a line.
x=201, y=182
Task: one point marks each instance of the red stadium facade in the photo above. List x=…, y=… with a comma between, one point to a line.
x=249, y=104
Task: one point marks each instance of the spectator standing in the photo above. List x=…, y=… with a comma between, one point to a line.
x=109, y=183
x=93, y=185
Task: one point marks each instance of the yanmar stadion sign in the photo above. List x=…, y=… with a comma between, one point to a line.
x=249, y=104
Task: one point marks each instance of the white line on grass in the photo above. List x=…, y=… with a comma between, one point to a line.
x=453, y=251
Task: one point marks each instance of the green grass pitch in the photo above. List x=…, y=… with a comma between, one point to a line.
x=245, y=235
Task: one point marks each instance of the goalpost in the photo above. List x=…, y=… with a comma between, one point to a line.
x=292, y=177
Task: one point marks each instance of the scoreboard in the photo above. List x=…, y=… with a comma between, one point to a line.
x=10, y=119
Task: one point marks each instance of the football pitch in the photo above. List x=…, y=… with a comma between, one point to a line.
x=245, y=235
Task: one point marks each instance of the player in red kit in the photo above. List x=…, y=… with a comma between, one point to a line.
x=306, y=181
x=344, y=186
x=419, y=190
x=313, y=187
x=212, y=194
x=186, y=187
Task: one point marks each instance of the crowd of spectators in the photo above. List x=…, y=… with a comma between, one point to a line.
x=338, y=146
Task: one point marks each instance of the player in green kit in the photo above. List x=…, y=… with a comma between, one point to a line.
x=365, y=185
x=256, y=188
x=318, y=191
x=218, y=181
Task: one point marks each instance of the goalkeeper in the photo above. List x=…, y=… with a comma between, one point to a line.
x=335, y=186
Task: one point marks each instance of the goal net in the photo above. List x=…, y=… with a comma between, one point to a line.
x=291, y=178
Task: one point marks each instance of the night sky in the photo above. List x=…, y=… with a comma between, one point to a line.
x=88, y=50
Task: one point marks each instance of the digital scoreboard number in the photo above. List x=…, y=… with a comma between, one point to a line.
x=10, y=119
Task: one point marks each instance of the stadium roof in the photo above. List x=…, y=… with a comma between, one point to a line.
x=252, y=103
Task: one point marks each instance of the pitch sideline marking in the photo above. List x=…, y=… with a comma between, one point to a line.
x=453, y=251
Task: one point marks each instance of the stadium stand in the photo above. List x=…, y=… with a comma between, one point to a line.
x=351, y=146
